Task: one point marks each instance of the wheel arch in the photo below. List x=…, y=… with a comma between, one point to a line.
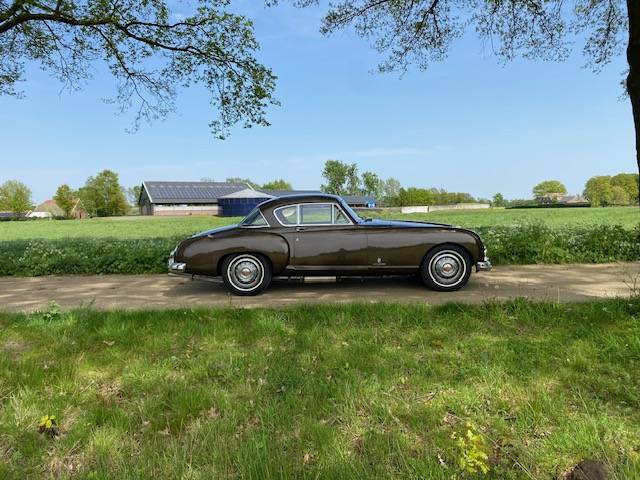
x=248, y=252
x=444, y=244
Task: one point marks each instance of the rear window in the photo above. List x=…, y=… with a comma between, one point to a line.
x=287, y=215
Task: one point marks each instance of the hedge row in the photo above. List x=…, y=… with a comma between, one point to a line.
x=85, y=256
x=519, y=244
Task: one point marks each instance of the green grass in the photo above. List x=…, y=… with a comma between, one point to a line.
x=340, y=392
x=157, y=227
x=113, y=227
x=626, y=216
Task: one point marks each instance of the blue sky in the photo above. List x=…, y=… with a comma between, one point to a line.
x=467, y=124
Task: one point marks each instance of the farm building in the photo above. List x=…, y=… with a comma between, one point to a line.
x=573, y=200
x=184, y=198
x=215, y=198
x=50, y=209
x=240, y=203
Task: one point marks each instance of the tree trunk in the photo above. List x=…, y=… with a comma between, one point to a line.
x=633, y=57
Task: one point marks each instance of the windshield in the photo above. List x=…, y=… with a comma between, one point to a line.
x=350, y=211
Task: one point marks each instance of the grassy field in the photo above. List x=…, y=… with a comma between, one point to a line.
x=111, y=227
x=155, y=227
x=322, y=392
x=627, y=216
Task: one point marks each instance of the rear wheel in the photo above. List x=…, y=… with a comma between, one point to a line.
x=446, y=268
x=246, y=274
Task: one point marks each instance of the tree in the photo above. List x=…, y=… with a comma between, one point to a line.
x=103, y=196
x=372, y=185
x=341, y=178
x=15, y=197
x=391, y=188
x=152, y=48
x=133, y=195
x=422, y=31
x=547, y=187
x=353, y=180
x=251, y=183
x=278, y=184
x=498, y=200
x=598, y=191
x=66, y=199
x=619, y=196
x=629, y=182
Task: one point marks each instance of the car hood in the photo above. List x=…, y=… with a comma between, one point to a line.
x=213, y=231
x=404, y=224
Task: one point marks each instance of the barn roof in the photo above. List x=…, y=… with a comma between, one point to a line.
x=248, y=193
x=358, y=199
x=282, y=193
x=190, y=192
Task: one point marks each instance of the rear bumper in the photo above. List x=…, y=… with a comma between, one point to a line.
x=175, y=267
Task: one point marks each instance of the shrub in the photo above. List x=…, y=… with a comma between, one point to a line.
x=517, y=244
x=85, y=256
x=540, y=243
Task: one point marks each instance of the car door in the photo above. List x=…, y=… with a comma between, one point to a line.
x=326, y=239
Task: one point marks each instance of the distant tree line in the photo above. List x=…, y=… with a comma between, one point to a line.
x=620, y=189
x=102, y=195
x=599, y=191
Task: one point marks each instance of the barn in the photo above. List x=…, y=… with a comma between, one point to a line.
x=215, y=198
x=239, y=204
x=185, y=198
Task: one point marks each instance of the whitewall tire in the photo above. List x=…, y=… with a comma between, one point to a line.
x=446, y=268
x=246, y=273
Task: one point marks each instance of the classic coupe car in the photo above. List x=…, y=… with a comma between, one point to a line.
x=305, y=235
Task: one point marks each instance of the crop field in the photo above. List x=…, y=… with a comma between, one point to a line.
x=340, y=392
x=158, y=227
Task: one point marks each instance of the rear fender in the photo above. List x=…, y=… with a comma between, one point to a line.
x=204, y=255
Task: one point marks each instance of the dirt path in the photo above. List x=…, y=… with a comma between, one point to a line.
x=563, y=283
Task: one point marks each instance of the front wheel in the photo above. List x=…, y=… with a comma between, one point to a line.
x=446, y=268
x=246, y=274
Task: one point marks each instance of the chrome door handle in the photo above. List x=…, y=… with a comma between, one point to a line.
x=300, y=229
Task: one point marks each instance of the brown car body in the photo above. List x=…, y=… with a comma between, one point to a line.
x=360, y=248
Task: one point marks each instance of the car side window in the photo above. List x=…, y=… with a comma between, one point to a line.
x=287, y=215
x=255, y=220
x=315, y=214
x=339, y=216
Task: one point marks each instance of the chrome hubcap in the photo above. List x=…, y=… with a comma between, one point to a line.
x=245, y=272
x=447, y=268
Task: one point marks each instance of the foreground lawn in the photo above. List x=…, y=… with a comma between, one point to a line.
x=162, y=227
x=360, y=391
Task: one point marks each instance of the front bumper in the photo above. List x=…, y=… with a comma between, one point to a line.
x=484, y=265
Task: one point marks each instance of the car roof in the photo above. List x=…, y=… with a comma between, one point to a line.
x=300, y=198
